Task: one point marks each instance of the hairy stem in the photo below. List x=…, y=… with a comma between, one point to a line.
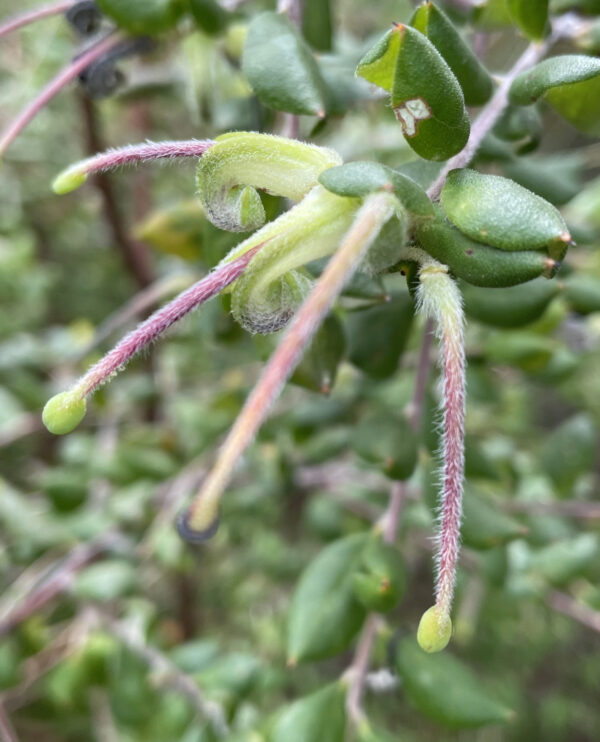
x=376, y=210
x=440, y=299
x=160, y=321
x=34, y=15
x=77, y=174
x=70, y=72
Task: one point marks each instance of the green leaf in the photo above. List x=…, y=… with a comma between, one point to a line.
x=564, y=69
x=484, y=526
x=561, y=562
x=509, y=307
x=378, y=335
x=501, y=213
x=379, y=582
x=106, y=580
x=325, y=616
x=474, y=79
x=445, y=690
x=209, y=15
x=358, y=179
x=525, y=350
x=318, y=368
x=387, y=441
x=570, y=451
x=142, y=16
x=579, y=103
x=319, y=717
x=531, y=16
x=280, y=67
x=317, y=24
x=426, y=96
x=583, y=293
x=482, y=265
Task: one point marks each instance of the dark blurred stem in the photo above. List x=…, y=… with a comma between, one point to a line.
x=133, y=254
x=415, y=410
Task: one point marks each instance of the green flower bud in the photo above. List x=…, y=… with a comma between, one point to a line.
x=63, y=412
x=435, y=630
x=67, y=181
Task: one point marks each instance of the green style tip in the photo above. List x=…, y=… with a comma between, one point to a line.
x=68, y=181
x=435, y=630
x=63, y=413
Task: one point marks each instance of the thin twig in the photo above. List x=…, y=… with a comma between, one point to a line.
x=493, y=110
x=70, y=72
x=566, y=605
x=19, y=427
x=168, y=672
x=568, y=509
x=34, y=15
x=58, y=580
x=415, y=408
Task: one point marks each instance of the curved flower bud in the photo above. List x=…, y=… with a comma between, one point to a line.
x=240, y=162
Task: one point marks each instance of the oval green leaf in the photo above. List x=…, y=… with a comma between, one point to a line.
x=509, y=307
x=531, y=16
x=358, y=179
x=564, y=69
x=325, y=616
x=425, y=95
x=315, y=718
x=501, y=213
x=445, y=690
x=474, y=79
x=280, y=67
x=482, y=265
x=142, y=16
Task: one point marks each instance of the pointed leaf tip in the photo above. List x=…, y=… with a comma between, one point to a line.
x=67, y=181
x=63, y=413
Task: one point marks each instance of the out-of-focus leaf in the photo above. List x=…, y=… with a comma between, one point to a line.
x=525, y=350
x=106, y=580
x=209, y=15
x=445, y=690
x=582, y=291
x=388, y=442
x=562, y=561
x=142, y=16
x=514, y=306
x=474, y=79
x=425, y=95
x=377, y=336
x=280, y=67
x=579, y=103
x=556, y=178
x=317, y=24
x=531, y=16
x=484, y=526
x=324, y=615
x=379, y=582
x=570, y=451
x=315, y=718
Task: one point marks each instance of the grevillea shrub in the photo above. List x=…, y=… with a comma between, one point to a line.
x=393, y=395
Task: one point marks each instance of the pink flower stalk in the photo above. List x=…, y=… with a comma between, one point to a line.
x=160, y=321
x=200, y=521
x=34, y=15
x=440, y=299
x=77, y=174
x=70, y=72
